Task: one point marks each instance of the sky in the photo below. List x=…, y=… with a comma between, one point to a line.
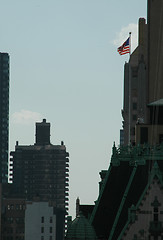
x=64, y=67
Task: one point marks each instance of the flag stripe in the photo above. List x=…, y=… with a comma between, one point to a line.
x=125, y=48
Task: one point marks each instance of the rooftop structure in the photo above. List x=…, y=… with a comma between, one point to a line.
x=80, y=229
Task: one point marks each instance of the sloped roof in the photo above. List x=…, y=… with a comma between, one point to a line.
x=109, y=200
x=80, y=229
x=127, y=177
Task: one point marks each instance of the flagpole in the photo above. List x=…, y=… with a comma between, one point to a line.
x=130, y=42
x=129, y=111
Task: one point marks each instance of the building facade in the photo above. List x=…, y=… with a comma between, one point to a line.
x=130, y=201
x=151, y=131
x=40, y=221
x=13, y=215
x=4, y=116
x=27, y=220
x=135, y=87
x=41, y=170
x=143, y=95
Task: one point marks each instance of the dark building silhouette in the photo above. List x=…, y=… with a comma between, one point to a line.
x=129, y=205
x=41, y=170
x=4, y=116
x=151, y=130
x=13, y=218
x=135, y=87
x=143, y=86
x=30, y=220
x=130, y=201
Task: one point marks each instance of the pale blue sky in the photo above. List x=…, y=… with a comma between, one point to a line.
x=65, y=68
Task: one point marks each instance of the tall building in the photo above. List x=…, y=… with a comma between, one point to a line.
x=143, y=95
x=130, y=201
x=4, y=116
x=151, y=131
x=129, y=205
x=41, y=170
x=135, y=87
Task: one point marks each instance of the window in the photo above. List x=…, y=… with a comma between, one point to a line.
x=155, y=214
x=42, y=237
x=12, y=206
x=50, y=238
x=51, y=229
x=10, y=220
x=133, y=131
x=134, y=71
x=134, y=106
x=42, y=219
x=17, y=206
x=143, y=135
x=42, y=229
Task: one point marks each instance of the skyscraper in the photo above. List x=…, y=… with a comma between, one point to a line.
x=143, y=95
x=135, y=87
x=130, y=200
x=4, y=116
x=151, y=130
x=41, y=170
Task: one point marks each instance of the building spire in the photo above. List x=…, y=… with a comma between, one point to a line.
x=77, y=206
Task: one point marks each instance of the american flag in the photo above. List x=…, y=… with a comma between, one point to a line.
x=125, y=48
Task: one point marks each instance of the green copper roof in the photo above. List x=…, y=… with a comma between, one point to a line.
x=80, y=229
x=157, y=103
x=129, y=173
